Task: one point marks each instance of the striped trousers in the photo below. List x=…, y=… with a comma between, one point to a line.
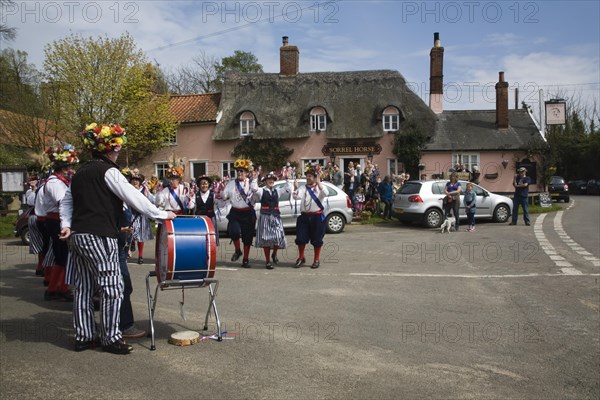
x=95, y=263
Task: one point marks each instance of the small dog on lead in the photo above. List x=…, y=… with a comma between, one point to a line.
x=448, y=225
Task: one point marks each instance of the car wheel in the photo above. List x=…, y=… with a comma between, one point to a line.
x=335, y=223
x=25, y=236
x=501, y=213
x=433, y=218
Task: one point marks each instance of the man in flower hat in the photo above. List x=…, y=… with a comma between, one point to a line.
x=63, y=158
x=310, y=225
x=90, y=218
x=242, y=217
x=176, y=196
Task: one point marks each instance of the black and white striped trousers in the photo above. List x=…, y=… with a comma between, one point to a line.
x=95, y=262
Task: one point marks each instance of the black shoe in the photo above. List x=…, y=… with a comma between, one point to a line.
x=275, y=259
x=245, y=264
x=299, y=262
x=51, y=296
x=315, y=265
x=513, y=223
x=527, y=223
x=68, y=296
x=118, y=347
x=140, y=260
x=81, y=345
x=236, y=256
x=269, y=265
x=39, y=272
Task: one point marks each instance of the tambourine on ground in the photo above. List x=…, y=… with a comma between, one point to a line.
x=186, y=255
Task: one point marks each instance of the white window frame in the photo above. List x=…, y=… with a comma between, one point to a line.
x=467, y=159
x=171, y=140
x=160, y=169
x=227, y=168
x=247, y=124
x=392, y=166
x=311, y=161
x=391, y=119
x=318, y=119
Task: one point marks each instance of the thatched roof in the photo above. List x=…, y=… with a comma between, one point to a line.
x=354, y=102
x=476, y=130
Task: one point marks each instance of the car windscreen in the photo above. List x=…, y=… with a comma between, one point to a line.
x=557, y=181
x=410, y=188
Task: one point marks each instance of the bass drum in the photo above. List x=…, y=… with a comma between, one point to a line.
x=186, y=249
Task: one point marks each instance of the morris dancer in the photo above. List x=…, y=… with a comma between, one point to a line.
x=141, y=224
x=205, y=202
x=91, y=210
x=63, y=159
x=270, y=233
x=176, y=197
x=310, y=225
x=241, y=216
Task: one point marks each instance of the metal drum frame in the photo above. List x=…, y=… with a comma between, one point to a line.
x=170, y=284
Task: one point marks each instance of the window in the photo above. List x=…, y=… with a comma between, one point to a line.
x=318, y=119
x=394, y=167
x=227, y=169
x=391, y=119
x=247, y=124
x=171, y=139
x=161, y=170
x=465, y=159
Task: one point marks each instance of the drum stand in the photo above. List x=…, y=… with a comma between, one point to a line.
x=212, y=284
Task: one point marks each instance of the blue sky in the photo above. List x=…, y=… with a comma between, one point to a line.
x=549, y=45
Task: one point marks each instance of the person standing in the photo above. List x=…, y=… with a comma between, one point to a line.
x=90, y=219
x=386, y=192
x=205, y=202
x=521, y=184
x=337, y=178
x=175, y=196
x=141, y=229
x=270, y=234
x=470, y=200
x=453, y=190
x=242, y=217
x=310, y=225
x=63, y=159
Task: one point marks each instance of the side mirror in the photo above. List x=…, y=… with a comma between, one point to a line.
x=486, y=193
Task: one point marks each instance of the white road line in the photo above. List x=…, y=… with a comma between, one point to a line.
x=415, y=275
x=558, y=227
x=559, y=261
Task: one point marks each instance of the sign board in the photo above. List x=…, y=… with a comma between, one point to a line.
x=340, y=149
x=12, y=181
x=556, y=112
x=545, y=199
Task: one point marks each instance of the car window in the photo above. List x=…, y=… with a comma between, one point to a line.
x=478, y=190
x=556, y=180
x=438, y=187
x=286, y=196
x=410, y=188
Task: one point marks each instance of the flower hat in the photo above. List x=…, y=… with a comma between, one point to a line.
x=310, y=169
x=242, y=163
x=175, y=171
x=62, y=156
x=103, y=137
x=270, y=175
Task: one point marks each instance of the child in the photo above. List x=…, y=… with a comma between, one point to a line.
x=470, y=200
x=359, y=200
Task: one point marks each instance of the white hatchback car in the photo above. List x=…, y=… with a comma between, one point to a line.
x=338, y=209
x=422, y=201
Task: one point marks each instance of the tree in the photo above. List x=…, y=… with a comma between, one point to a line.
x=269, y=154
x=7, y=33
x=241, y=61
x=409, y=143
x=107, y=80
x=200, y=77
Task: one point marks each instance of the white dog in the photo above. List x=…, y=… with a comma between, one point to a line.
x=448, y=225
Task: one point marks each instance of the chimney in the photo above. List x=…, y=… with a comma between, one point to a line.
x=501, y=102
x=436, y=75
x=289, y=59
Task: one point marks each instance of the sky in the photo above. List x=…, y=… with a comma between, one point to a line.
x=547, y=49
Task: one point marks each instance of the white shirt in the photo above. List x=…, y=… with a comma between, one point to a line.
x=166, y=201
x=307, y=204
x=117, y=183
x=232, y=194
x=53, y=192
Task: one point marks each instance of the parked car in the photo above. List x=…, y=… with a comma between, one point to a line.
x=22, y=225
x=593, y=186
x=421, y=201
x=558, y=189
x=577, y=186
x=338, y=209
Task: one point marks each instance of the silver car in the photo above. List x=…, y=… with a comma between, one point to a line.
x=338, y=211
x=422, y=201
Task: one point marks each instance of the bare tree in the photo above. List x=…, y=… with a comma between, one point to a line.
x=199, y=77
x=6, y=32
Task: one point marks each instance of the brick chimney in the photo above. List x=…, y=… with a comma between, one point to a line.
x=436, y=75
x=289, y=59
x=501, y=102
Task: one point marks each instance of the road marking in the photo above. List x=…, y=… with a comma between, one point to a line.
x=576, y=247
x=416, y=275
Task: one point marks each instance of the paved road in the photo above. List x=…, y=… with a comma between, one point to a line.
x=394, y=312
